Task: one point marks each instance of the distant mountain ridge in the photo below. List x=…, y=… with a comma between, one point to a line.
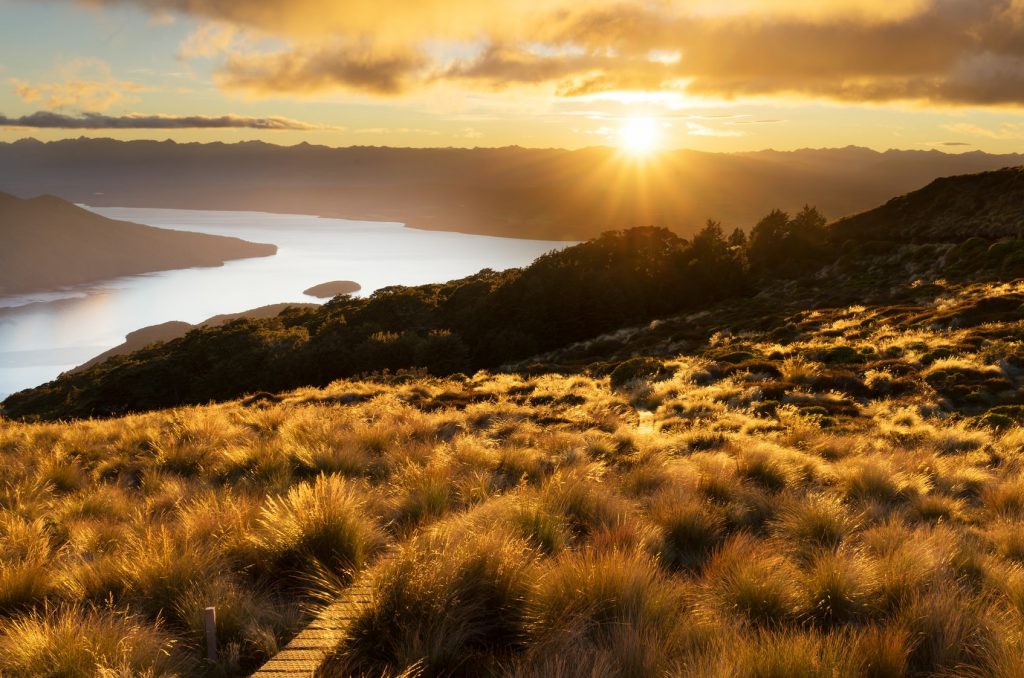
x=986, y=205
x=548, y=194
x=47, y=243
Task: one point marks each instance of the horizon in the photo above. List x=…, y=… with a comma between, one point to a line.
x=606, y=148
x=736, y=76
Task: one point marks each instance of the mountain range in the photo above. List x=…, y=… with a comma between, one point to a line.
x=547, y=194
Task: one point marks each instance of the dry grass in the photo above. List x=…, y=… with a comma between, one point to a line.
x=824, y=509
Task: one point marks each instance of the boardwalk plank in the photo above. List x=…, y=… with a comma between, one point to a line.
x=302, y=656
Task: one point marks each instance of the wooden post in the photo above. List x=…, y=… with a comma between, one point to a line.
x=210, y=620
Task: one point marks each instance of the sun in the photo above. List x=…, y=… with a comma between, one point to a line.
x=639, y=136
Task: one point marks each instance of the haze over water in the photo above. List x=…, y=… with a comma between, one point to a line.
x=42, y=335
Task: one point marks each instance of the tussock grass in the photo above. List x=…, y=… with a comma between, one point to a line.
x=444, y=603
x=617, y=604
x=78, y=641
x=815, y=522
x=834, y=506
x=690, y=530
x=841, y=587
x=748, y=578
x=325, y=522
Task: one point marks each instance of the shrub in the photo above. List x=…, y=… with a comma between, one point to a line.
x=799, y=370
x=633, y=370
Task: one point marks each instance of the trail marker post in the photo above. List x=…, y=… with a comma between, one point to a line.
x=210, y=621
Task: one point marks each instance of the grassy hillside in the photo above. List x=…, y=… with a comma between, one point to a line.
x=49, y=243
x=838, y=493
x=817, y=472
x=172, y=329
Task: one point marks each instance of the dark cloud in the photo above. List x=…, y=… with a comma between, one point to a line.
x=51, y=120
x=955, y=143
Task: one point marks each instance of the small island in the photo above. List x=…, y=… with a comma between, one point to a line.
x=329, y=290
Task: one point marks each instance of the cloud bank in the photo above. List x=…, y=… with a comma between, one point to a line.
x=950, y=52
x=52, y=120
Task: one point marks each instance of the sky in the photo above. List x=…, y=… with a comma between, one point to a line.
x=712, y=75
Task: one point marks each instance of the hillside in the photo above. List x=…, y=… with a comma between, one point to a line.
x=49, y=243
x=460, y=326
x=987, y=205
x=826, y=492
x=549, y=194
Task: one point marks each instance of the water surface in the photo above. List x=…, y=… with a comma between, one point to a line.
x=42, y=335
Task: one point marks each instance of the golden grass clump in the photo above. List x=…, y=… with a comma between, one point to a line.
x=616, y=603
x=446, y=603
x=325, y=522
x=82, y=642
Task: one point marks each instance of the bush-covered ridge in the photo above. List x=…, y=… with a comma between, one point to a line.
x=461, y=326
x=839, y=493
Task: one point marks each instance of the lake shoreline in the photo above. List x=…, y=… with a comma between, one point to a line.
x=311, y=250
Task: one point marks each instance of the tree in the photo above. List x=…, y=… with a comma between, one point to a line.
x=780, y=245
x=767, y=240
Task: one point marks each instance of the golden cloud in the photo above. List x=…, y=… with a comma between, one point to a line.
x=959, y=52
x=81, y=84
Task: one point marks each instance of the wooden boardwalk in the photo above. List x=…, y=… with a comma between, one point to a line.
x=302, y=657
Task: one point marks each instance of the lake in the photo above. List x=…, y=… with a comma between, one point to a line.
x=42, y=335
